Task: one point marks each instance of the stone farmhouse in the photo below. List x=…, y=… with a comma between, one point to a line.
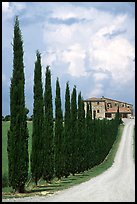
x=107, y=108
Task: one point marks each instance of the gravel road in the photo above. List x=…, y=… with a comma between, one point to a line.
x=117, y=184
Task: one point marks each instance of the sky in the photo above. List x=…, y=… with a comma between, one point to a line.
x=89, y=44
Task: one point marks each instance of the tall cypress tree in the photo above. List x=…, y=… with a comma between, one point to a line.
x=81, y=133
x=17, y=144
x=87, y=137
x=37, y=134
x=67, y=133
x=74, y=131
x=48, y=150
x=59, y=139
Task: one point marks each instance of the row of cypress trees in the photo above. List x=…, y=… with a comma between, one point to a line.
x=74, y=142
x=68, y=145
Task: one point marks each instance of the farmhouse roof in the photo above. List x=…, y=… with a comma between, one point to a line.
x=116, y=100
x=94, y=99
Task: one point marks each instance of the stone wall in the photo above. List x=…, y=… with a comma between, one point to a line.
x=99, y=107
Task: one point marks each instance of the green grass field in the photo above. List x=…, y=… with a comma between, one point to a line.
x=45, y=188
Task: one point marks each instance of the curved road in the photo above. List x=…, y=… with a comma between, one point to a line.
x=117, y=184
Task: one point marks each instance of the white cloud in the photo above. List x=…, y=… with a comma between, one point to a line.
x=6, y=9
x=19, y=6
x=9, y=9
x=115, y=26
x=80, y=41
x=99, y=48
x=92, y=48
x=99, y=76
x=48, y=57
x=75, y=56
x=5, y=6
x=97, y=91
x=68, y=11
x=113, y=55
x=58, y=36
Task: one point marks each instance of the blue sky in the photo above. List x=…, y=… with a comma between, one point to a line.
x=89, y=44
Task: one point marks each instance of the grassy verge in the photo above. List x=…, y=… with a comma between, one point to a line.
x=44, y=188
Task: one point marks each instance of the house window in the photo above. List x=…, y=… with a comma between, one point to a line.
x=97, y=111
x=109, y=105
x=115, y=104
x=97, y=103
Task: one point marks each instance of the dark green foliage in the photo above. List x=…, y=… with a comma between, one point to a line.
x=4, y=180
x=7, y=118
x=100, y=136
x=59, y=135
x=37, y=134
x=48, y=151
x=17, y=144
x=27, y=111
x=88, y=138
x=31, y=117
x=80, y=134
x=94, y=114
x=67, y=133
x=118, y=117
x=73, y=132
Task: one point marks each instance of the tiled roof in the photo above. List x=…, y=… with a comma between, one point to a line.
x=94, y=99
x=121, y=110
x=116, y=100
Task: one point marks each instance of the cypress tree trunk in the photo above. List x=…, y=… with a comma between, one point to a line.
x=17, y=144
x=48, y=151
x=59, y=139
x=37, y=134
x=67, y=126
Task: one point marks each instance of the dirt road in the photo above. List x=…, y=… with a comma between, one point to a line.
x=117, y=184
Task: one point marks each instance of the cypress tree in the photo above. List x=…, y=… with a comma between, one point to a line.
x=37, y=134
x=118, y=117
x=59, y=140
x=17, y=144
x=87, y=138
x=81, y=134
x=74, y=131
x=48, y=150
x=67, y=126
